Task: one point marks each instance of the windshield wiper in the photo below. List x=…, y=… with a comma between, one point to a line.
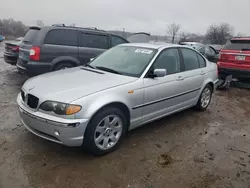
x=88, y=65
x=108, y=69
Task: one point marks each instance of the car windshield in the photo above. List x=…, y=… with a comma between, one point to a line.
x=125, y=60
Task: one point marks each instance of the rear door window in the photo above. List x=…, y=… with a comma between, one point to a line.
x=94, y=41
x=115, y=40
x=30, y=35
x=201, y=60
x=190, y=59
x=62, y=37
x=243, y=45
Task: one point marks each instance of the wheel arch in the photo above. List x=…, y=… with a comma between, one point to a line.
x=117, y=104
x=212, y=85
x=64, y=59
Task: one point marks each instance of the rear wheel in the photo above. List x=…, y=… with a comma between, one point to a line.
x=105, y=131
x=63, y=65
x=205, y=98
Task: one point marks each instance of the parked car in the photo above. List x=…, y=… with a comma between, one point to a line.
x=12, y=51
x=208, y=51
x=234, y=58
x=216, y=47
x=56, y=47
x=1, y=38
x=120, y=90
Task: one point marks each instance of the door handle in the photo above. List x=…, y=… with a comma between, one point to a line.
x=202, y=73
x=179, y=78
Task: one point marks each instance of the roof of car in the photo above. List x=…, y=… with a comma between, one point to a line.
x=150, y=45
x=69, y=27
x=241, y=38
x=191, y=43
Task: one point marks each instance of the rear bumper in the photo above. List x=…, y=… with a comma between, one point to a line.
x=216, y=83
x=10, y=58
x=33, y=68
x=236, y=73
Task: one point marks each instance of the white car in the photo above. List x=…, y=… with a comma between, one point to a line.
x=123, y=88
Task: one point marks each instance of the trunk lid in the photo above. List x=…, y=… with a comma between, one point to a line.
x=12, y=46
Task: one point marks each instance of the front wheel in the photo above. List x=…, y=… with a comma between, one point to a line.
x=105, y=131
x=205, y=98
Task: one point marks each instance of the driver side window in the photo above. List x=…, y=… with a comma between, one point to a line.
x=168, y=59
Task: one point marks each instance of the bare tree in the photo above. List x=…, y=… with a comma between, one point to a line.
x=219, y=34
x=39, y=23
x=173, y=30
x=12, y=28
x=184, y=37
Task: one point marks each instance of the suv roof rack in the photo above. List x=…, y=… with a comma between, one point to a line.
x=91, y=28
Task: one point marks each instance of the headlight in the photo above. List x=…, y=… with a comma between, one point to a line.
x=60, y=108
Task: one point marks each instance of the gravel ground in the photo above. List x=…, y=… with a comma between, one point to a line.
x=187, y=150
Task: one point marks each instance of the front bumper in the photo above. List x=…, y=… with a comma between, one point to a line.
x=52, y=128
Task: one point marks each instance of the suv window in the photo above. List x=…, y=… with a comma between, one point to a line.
x=237, y=45
x=190, y=59
x=168, y=59
x=94, y=41
x=62, y=37
x=115, y=40
x=30, y=35
x=201, y=60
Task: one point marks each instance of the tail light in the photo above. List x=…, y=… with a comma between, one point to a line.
x=15, y=49
x=223, y=56
x=35, y=53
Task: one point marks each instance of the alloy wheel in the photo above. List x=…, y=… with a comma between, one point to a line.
x=205, y=97
x=108, y=132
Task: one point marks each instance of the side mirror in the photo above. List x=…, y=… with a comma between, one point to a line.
x=160, y=72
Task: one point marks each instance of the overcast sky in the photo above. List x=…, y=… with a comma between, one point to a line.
x=133, y=15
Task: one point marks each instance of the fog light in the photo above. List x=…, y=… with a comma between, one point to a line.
x=56, y=133
x=73, y=125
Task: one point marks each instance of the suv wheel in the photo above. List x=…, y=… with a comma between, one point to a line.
x=105, y=131
x=64, y=65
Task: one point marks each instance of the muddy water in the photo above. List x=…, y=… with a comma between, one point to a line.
x=189, y=149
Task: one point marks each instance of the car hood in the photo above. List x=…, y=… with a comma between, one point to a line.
x=71, y=84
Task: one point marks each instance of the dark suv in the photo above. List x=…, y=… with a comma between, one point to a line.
x=58, y=47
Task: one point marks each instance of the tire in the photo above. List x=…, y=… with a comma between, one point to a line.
x=101, y=137
x=63, y=65
x=206, y=95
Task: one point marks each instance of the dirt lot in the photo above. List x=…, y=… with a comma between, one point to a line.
x=189, y=149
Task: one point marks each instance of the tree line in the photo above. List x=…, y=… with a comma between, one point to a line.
x=10, y=27
x=215, y=34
